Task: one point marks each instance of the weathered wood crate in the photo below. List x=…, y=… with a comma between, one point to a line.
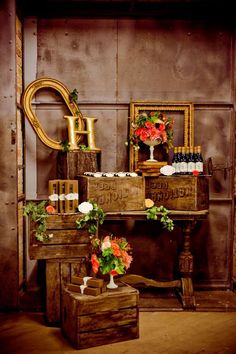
x=178, y=192
x=74, y=163
x=60, y=272
x=65, y=240
x=113, y=193
x=89, y=321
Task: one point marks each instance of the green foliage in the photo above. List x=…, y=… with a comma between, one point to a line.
x=83, y=147
x=93, y=219
x=38, y=214
x=65, y=145
x=74, y=95
x=165, y=219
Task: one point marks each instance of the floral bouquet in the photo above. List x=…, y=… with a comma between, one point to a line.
x=153, y=126
x=110, y=255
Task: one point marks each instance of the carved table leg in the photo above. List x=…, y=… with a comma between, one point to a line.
x=186, y=268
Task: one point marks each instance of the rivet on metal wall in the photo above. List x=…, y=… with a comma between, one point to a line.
x=189, y=33
x=66, y=33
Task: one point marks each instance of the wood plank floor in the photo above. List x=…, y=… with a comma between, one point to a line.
x=160, y=333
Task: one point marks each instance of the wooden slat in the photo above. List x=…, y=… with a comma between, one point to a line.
x=53, y=292
x=57, y=251
x=107, y=336
x=121, y=317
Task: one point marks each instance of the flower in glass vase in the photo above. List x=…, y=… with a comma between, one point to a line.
x=154, y=128
x=111, y=255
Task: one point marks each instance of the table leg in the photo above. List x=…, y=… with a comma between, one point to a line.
x=186, y=268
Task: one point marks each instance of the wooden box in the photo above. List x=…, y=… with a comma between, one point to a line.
x=178, y=192
x=65, y=241
x=113, y=193
x=66, y=193
x=89, y=321
x=60, y=272
x=73, y=163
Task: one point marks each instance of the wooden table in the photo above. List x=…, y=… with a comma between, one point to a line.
x=184, y=285
x=66, y=252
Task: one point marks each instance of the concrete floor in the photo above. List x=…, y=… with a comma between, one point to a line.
x=160, y=332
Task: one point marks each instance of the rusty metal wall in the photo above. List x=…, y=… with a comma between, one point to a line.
x=112, y=62
x=8, y=160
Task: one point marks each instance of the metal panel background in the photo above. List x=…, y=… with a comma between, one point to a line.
x=112, y=62
x=8, y=160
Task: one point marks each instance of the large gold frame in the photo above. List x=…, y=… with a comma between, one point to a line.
x=27, y=98
x=165, y=106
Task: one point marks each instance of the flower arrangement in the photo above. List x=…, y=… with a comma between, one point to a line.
x=93, y=216
x=38, y=213
x=110, y=255
x=154, y=126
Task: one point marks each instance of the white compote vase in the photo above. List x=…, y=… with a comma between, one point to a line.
x=151, y=144
x=112, y=284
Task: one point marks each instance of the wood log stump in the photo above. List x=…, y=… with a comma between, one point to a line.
x=73, y=163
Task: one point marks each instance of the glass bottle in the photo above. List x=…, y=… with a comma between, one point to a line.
x=191, y=161
x=178, y=160
x=183, y=163
x=174, y=159
x=199, y=160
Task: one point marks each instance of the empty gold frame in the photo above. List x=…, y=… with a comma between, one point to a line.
x=186, y=113
x=27, y=98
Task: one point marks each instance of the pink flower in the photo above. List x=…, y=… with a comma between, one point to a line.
x=106, y=243
x=127, y=259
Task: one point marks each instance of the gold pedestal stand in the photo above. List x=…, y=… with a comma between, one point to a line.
x=150, y=168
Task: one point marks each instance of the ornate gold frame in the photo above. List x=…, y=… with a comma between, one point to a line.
x=27, y=98
x=167, y=106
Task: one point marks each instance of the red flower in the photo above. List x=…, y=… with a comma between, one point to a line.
x=195, y=172
x=114, y=272
x=95, y=263
x=50, y=209
x=149, y=125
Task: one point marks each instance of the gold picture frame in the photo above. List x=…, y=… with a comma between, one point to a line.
x=182, y=109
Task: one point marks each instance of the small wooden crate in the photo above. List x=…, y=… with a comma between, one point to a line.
x=89, y=321
x=178, y=192
x=65, y=239
x=114, y=193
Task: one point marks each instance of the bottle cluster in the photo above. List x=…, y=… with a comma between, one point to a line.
x=187, y=159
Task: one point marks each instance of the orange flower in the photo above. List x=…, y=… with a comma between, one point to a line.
x=149, y=203
x=115, y=249
x=95, y=263
x=50, y=209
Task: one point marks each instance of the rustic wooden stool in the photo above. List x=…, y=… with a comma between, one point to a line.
x=90, y=321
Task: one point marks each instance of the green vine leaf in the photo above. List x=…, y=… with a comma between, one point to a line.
x=165, y=219
x=37, y=212
x=92, y=217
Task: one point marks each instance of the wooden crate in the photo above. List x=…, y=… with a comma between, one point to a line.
x=60, y=272
x=89, y=321
x=113, y=193
x=65, y=241
x=178, y=192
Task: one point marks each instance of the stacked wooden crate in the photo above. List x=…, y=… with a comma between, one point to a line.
x=90, y=321
x=65, y=252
